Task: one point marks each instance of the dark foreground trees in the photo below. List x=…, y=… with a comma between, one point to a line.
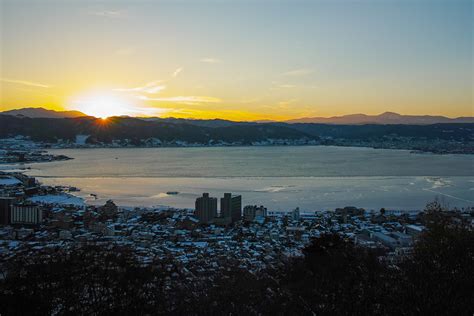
x=334, y=277
x=337, y=278
x=439, y=278
x=90, y=280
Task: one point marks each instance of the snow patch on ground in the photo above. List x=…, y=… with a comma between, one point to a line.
x=62, y=199
x=9, y=181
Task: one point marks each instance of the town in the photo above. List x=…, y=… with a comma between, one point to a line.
x=20, y=149
x=33, y=217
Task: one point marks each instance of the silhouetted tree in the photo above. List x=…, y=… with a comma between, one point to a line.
x=87, y=280
x=439, y=278
x=338, y=278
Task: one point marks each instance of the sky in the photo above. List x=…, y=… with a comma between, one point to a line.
x=240, y=60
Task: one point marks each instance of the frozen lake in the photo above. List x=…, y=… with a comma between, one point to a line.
x=281, y=178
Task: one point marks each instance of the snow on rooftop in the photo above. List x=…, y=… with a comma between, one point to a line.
x=198, y=244
x=416, y=227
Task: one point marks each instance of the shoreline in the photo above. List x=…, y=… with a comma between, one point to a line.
x=185, y=198
x=411, y=150
x=27, y=167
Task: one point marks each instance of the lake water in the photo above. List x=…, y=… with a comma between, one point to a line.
x=281, y=178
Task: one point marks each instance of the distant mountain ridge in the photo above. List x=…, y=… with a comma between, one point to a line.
x=43, y=113
x=196, y=122
x=384, y=118
x=130, y=131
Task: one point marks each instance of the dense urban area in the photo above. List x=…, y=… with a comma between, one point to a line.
x=40, y=216
x=62, y=256
x=195, y=252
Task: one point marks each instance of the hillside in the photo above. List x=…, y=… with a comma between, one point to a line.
x=458, y=132
x=43, y=113
x=137, y=130
x=127, y=131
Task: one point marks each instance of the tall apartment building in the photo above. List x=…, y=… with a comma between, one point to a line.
x=295, y=214
x=206, y=208
x=5, y=205
x=231, y=207
x=26, y=214
x=251, y=212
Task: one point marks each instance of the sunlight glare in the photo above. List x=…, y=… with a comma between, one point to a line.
x=103, y=105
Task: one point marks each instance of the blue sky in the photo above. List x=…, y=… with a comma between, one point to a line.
x=254, y=59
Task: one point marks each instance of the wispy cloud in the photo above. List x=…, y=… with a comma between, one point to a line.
x=285, y=86
x=298, y=72
x=286, y=103
x=108, y=13
x=37, y=91
x=147, y=111
x=126, y=51
x=183, y=99
x=279, y=86
x=248, y=100
x=210, y=60
x=26, y=83
x=177, y=71
x=150, y=87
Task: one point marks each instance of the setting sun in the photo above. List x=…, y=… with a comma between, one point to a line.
x=103, y=105
x=252, y=157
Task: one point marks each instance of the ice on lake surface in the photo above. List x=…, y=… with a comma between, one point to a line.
x=281, y=178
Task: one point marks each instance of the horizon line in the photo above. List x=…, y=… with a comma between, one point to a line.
x=255, y=120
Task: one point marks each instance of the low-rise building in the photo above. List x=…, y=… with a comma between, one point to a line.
x=414, y=230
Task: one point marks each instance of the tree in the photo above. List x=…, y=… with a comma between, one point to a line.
x=90, y=279
x=438, y=278
x=338, y=278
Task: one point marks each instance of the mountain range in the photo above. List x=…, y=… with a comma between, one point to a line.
x=386, y=118
x=139, y=130
x=437, y=138
x=43, y=113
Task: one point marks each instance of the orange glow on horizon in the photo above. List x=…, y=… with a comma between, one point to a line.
x=102, y=105
x=144, y=60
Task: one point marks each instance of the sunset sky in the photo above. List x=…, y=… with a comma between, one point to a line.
x=241, y=60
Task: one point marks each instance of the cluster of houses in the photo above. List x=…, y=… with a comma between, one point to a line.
x=201, y=239
x=20, y=149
